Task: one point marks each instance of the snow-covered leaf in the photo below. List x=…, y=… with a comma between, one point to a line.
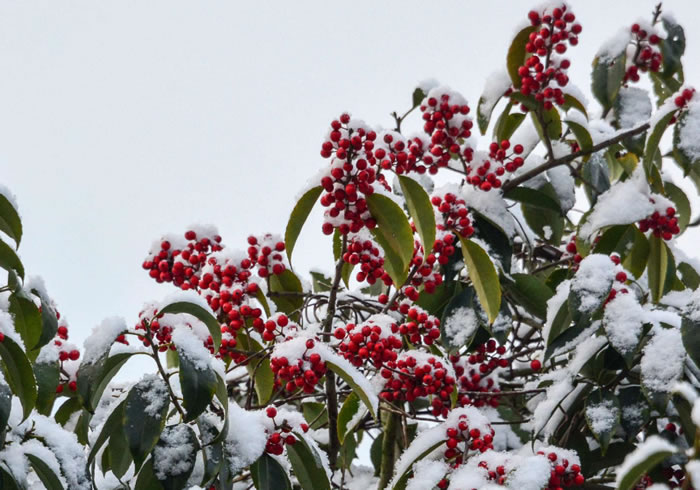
x=145, y=412
x=607, y=78
x=174, y=456
x=198, y=386
x=602, y=416
x=48, y=477
x=351, y=406
x=200, y=313
x=352, y=377
x=93, y=377
x=460, y=321
x=647, y=455
x=517, y=54
x=47, y=375
x=298, y=217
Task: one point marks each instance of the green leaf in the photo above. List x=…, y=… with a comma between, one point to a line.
x=462, y=300
x=534, y=198
x=689, y=275
x=119, y=455
x=652, y=146
x=114, y=422
x=496, y=240
x=548, y=224
x=93, y=377
x=375, y=453
x=9, y=260
x=483, y=276
x=507, y=123
x=681, y=202
x=418, y=96
x=307, y=466
x=608, y=401
x=49, y=320
x=268, y=474
x=48, y=478
x=19, y=374
x=607, y=79
x=350, y=407
x=552, y=124
x=315, y=414
x=5, y=405
x=672, y=48
x=198, y=386
x=298, y=217
x=259, y=368
x=320, y=282
x=530, y=292
x=657, y=267
x=690, y=333
x=635, y=410
x=287, y=282
x=596, y=171
x=47, y=376
x=403, y=478
x=147, y=479
x=172, y=480
x=143, y=428
x=517, y=54
x=571, y=102
x=636, y=260
x=66, y=410
x=421, y=210
x=652, y=458
x=200, y=313
x=27, y=320
x=393, y=233
x=483, y=113
x=585, y=141
x=10, y=223
x=371, y=403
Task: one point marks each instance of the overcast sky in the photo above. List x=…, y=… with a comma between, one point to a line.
x=120, y=121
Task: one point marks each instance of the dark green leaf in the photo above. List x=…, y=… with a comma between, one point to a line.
x=572, y=102
x=299, y=215
x=9, y=260
x=48, y=478
x=457, y=309
x=259, y=368
x=5, y=405
x=315, y=413
x=143, y=428
x=198, y=386
x=517, y=54
x=530, y=292
x=287, y=282
x=394, y=235
x=607, y=79
x=170, y=439
x=657, y=267
x=47, y=375
x=27, y=320
x=320, y=282
x=93, y=377
x=49, y=320
x=585, y=142
x=19, y=374
x=534, y=198
x=67, y=409
x=307, y=466
x=147, y=479
x=498, y=243
x=682, y=203
x=689, y=275
x=421, y=210
x=119, y=455
x=672, y=48
x=507, y=124
x=652, y=146
x=200, y=313
x=10, y=223
x=606, y=402
x=417, y=96
x=548, y=224
x=632, y=476
x=350, y=407
x=268, y=474
x=114, y=422
x=690, y=332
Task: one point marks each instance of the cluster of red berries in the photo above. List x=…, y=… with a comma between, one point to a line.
x=563, y=474
x=620, y=277
x=375, y=340
x=366, y=254
x=543, y=68
x=447, y=123
x=304, y=373
x=354, y=170
x=648, y=55
x=420, y=327
x=278, y=325
x=409, y=378
x=475, y=374
x=572, y=249
x=661, y=225
x=428, y=274
x=455, y=218
x=180, y=263
x=282, y=434
x=463, y=440
x=500, y=161
x=265, y=251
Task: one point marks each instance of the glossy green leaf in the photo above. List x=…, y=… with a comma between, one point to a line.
x=636, y=259
x=483, y=276
x=141, y=427
x=393, y=233
x=534, y=198
x=47, y=375
x=300, y=213
x=200, y=313
x=10, y=222
x=401, y=480
x=507, y=123
x=114, y=421
x=268, y=474
x=146, y=478
x=119, y=456
x=681, y=202
x=657, y=267
x=517, y=54
x=5, y=405
x=9, y=260
x=420, y=209
x=19, y=374
x=93, y=377
x=689, y=275
x=653, y=140
x=571, y=102
x=27, y=319
x=548, y=224
x=198, y=386
x=690, y=333
x=585, y=141
x=49, y=320
x=350, y=377
x=652, y=457
x=672, y=47
x=607, y=79
x=48, y=478
x=307, y=466
x=350, y=407
x=258, y=368
x=67, y=409
x=531, y=292
x=288, y=283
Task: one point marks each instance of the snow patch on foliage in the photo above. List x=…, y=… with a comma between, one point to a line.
x=592, y=281
x=101, y=339
x=564, y=186
x=652, y=445
x=191, y=347
x=623, y=321
x=602, y=416
x=662, y=361
x=554, y=304
x=634, y=107
x=171, y=457
x=7, y=328
x=246, y=437
x=496, y=85
x=492, y=205
x=460, y=325
x=689, y=129
x=531, y=474
x=614, y=46
x=154, y=391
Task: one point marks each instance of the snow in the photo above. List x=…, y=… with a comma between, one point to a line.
x=36, y=448
x=174, y=453
x=186, y=297
x=615, y=46
x=492, y=205
x=554, y=304
x=496, y=84
x=246, y=437
x=634, y=107
x=692, y=310
x=603, y=416
x=623, y=320
x=531, y=474
x=101, y=339
x=460, y=325
x=190, y=346
x=689, y=131
x=666, y=108
x=695, y=413
x=155, y=392
x=662, y=361
x=7, y=328
x=48, y=354
x=693, y=469
x=652, y=445
x=592, y=281
x=427, y=474
x=564, y=185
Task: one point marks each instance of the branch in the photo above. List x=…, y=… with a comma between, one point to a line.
x=551, y=163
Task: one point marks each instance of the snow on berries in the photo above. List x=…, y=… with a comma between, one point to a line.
x=477, y=372
x=647, y=52
x=364, y=252
x=420, y=327
x=545, y=71
x=296, y=364
x=661, y=224
x=376, y=340
x=266, y=252
x=453, y=216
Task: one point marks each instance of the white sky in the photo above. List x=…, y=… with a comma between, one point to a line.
x=120, y=121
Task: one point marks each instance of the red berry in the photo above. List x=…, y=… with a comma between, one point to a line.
x=271, y=412
x=535, y=365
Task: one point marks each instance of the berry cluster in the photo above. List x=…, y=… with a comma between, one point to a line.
x=620, y=277
x=661, y=225
x=647, y=56
x=420, y=327
x=454, y=218
x=375, y=340
x=475, y=373
x=303, y=373
x=354, y=168
x=545, y=67
x=278, y=326
x=563, y=474
x=266, y=251
x=416, y=375
x=500, y=161
x=177, y=261
x=282, y=434
x=572, y=249
x=447, y=123
x=427, y=274
x=463, y=440
x=368, y=255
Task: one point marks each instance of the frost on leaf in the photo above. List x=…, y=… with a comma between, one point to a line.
x=175, y=452
x=662, y=362
x=592, y=282
x=623, y=321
